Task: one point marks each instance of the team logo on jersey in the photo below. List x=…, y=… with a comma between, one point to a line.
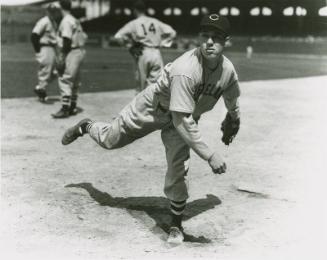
x=211, y=89
x=214, y=17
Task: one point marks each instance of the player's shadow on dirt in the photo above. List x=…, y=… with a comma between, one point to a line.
x=156, y=207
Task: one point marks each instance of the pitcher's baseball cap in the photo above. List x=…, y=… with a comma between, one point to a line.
x=220, y=23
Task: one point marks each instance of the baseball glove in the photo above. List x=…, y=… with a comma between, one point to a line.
x=136, y=49
x=229, y=127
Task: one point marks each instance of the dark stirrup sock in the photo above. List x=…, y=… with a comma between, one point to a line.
x=177, y=209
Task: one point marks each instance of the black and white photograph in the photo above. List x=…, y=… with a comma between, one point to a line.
x=163, y=129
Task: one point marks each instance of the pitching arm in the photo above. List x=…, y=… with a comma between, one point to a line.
x=189, y=131
x=182, y=105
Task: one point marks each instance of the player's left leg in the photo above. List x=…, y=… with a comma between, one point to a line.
x=176, y=188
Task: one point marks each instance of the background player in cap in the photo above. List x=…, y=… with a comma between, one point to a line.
x=71, y=43
x=44, y=41
x=189, y=86
x=144, y=36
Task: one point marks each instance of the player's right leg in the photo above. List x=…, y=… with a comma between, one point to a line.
x=176, y=188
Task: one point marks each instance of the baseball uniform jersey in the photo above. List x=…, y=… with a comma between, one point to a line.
x=184, y=86
x=153, y=34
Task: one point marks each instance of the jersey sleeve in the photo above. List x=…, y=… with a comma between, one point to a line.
x=182, y=92
x=67, y=29
x=39, y=27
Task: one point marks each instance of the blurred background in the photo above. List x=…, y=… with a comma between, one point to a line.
x=267, y=26
x=101, y=18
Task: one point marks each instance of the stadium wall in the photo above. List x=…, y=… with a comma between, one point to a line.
x=258, y=31
x=243, y=23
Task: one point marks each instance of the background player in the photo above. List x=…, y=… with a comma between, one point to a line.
x=144, y=36
x=44, y=41
x=71, y=43
x=189, y=87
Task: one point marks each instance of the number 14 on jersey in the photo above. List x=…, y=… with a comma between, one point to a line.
x=151, y=29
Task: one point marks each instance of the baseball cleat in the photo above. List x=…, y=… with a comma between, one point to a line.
x=62, y=113
x=74, y=132
x=42, y=95
x=73, y=111
x=175, y=236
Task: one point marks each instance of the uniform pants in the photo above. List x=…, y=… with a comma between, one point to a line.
x=46, y=59
x=149, y=66
x=70, y=81
x=139, y=118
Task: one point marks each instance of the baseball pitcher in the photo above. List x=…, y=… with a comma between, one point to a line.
x=71, y=41
x=144, y=37
x=44, y=42
x=187, y=88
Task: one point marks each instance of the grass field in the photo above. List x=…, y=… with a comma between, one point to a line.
x=83, y=202
x=112, y=69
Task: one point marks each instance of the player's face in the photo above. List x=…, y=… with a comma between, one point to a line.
x=212, y=44
x=56, y=15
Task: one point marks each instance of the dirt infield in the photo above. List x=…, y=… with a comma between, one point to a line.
x=83, y=202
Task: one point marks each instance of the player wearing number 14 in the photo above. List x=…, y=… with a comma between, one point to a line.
x=144, y=36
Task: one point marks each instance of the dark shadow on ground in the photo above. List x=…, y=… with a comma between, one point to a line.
x=156, y=207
